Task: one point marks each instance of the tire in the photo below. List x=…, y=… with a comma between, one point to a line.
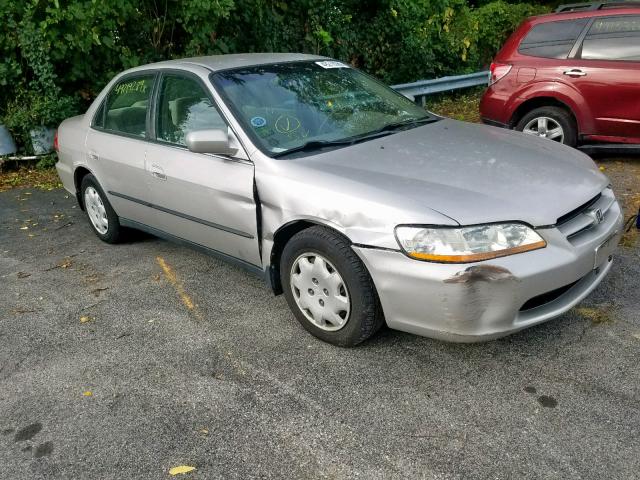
x=97, y=207
x=327, y=252
x=561, y=117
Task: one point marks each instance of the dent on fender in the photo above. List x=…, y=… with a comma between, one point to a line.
x=481, y=273
x=483, y=289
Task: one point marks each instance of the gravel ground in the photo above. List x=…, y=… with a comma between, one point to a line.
x=124, y=361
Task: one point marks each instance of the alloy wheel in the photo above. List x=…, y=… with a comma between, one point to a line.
x=545, y=127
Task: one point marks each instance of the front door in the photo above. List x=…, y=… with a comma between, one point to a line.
x=207, y=200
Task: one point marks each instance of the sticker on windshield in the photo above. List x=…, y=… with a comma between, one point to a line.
x=258, y=122
x=331, y=64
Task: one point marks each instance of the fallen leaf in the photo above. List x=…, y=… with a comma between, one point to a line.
x=96, y=291
x=181, y=469
x=204, y=431
x=85, y=319
x=602, y=169
x=87, y=394
x=21, y=310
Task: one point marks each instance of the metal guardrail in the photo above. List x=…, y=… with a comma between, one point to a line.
x=422, y=88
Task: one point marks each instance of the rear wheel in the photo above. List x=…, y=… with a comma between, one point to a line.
x=328, y=288
x=102, y=217
x=553, y=123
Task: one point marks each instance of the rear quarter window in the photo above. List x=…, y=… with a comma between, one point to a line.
x=613, y=38
x=552, y=39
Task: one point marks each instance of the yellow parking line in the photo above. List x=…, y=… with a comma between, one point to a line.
x=171, y=276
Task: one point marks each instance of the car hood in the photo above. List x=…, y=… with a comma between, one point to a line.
x=471, y=173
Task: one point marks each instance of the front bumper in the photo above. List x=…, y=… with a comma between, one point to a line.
x=485, y=300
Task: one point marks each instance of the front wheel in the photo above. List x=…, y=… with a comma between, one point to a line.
x=553, y=123
x=102, y=217
x=328, y=288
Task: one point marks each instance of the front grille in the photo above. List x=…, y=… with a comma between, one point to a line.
x=583, y=218
x=574, y=213
x=545, y=298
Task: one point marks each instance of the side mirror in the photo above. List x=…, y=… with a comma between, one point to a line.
x=218, y=141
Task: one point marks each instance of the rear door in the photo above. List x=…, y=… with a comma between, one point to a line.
x=116, y=146
x=205, y=199
x=607, y=73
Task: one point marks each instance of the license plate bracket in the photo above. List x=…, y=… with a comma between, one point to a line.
x=605, y=249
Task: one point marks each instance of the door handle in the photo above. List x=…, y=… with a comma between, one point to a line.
x=158, y=172
x=575, y=73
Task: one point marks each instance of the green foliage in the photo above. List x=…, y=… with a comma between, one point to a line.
x=495, y=22
x=34, y=108
x=46, y=161
x=396, y=40
x=56, y=55
x=37, y=100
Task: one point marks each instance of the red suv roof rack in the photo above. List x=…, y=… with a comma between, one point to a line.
x=574, y=7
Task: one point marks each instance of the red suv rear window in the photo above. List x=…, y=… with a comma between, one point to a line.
x=552, y=39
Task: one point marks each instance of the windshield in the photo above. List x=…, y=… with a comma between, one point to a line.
x=295, y=105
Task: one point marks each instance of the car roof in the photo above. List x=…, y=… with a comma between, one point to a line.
x=606, y=12
x=224, y=62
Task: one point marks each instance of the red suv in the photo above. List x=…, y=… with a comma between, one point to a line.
x=572, y=76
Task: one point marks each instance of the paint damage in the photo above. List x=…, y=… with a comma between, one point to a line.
x=481, y=273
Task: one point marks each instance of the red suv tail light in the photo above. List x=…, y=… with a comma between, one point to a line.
x=498, y=71
x=55, y=142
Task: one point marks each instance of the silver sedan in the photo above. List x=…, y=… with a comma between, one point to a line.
x=358, y=205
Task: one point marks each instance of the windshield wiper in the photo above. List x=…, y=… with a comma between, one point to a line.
x=392, y=127
x=384, y=130
x=317, y=145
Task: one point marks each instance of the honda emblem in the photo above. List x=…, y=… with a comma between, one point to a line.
x=596, y=215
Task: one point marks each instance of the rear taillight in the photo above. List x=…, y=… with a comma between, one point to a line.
x=498, y=71
x=55, y=141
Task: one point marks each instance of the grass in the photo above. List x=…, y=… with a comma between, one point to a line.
x=461, y=105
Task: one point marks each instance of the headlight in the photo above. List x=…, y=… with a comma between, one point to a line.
x=467, y=244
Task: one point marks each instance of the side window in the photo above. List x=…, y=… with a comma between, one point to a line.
x=553, y=39
x=184, y=106
x=613, y=38
x=127, y=105
x=98, y=119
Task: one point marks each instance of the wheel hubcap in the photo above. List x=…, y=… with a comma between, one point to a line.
x=320, y=292
x=95, y=209
x=545, y=127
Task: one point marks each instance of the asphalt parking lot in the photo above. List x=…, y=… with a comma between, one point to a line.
x=124, y=361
